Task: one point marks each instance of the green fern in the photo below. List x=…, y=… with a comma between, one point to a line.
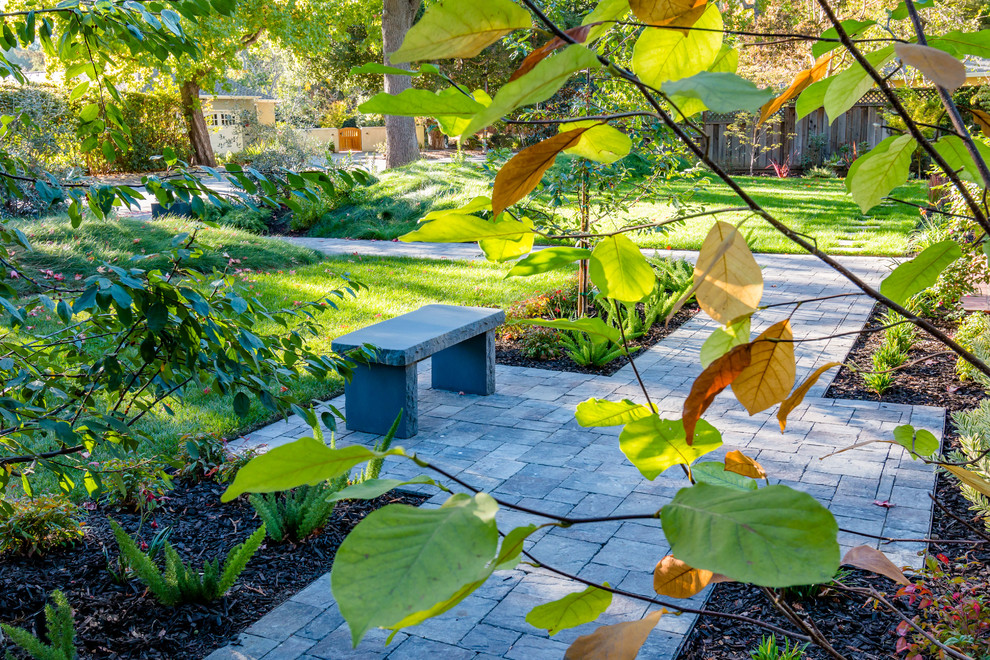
x=61, y=633
x=296, y=514
x=238, y=558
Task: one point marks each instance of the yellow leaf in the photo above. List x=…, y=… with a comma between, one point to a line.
x=982, y=120
x=970, y=478
x=674, y=578
x=620, y=641
x=728, y=281
x=523, y=172
x=770, y=375
x=871, y=559
x=736, y=461
x=801, y=82
x=797, y=396
x=938, y=66
x=715, y=378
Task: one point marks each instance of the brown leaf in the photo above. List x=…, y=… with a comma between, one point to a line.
x=970, y=478
x=728, y=281
x=523, y=172
x=871, y=559
x=938, y=66
x=770, y=375
x=718, y=578
x=674, y=578
x=620, y=641
x=686, y=20
x=661, y=12
x=578, y=34
x=797, y=396
x=738, y=462
x=713, y=380
x=982, y=120
x=801, y=82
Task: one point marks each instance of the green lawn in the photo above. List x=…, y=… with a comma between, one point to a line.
x=820, y=208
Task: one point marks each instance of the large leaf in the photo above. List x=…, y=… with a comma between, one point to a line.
x=599, y=142
x=729, y=282
x=720, y=92
x=602, y=16
x=620, y=641
x=970, y=478
x=874, y=174
x=849, y=86
x=961, y=43
x=918, y=442
x=656, y=12
x=715, y=378
x=536, y=86
x=982, y=120
x=800, y=83
x=570, y=611
x=662, y=54
x=504, y=248
x=770, y=375
x=460, y=28
x=938, y=66
x=852, y=27
x=957, y=156
x=548, y=259
x=451, y=125
x=871, y=559
x=597, y=329
x=378, y=67
x=620, y=271
x=459, y=228
x=674, y=578
x=918, y=274
x=812, y=98
x=602, y=412
x=422, y=103
x=722, y=340
x=797, y=396
x=653, y=444
x=773, y=537
x=304, y=462
x=739, y=463
x=727, y=61
x=372, y=488
x=579, y=34
x=713, y=472
x=401, y=559
x=523, y=172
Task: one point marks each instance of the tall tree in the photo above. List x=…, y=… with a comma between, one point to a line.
x=401, y=146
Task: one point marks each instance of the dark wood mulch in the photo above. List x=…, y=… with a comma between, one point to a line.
x=855, y=628
x=507, y=351
x=124, y=621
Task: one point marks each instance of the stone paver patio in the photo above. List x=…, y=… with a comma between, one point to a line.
x=523, y=446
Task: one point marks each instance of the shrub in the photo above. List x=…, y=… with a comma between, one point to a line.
x=295, y=514
x=974, y=334
x=206, y=456
x=820, y=172
x=538, y=343
x=138, y=484
x=39, y=524
x=179, y=583
x=61, y=633
x=974, y=443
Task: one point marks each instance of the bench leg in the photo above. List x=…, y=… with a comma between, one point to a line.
x=374, y=396
x=467, y=367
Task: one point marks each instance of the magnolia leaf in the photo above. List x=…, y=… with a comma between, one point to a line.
x=916, y=275
x=719, y=92
x=852, y=27
x=713, y=472
x=800, y=83
x=715, y=378
x=599, y=142
x=727, y=61
x=523, y=172
x=512, y=547
x=970, y=478
x=662, y=54
x=919, y=443
x=459, y=228
x=962, y=43
x=477, y=204
x=509, y=247
x=460, y=28
x=722, y=340
x=536, y=86
x=620, y=271
x=772, y=537
x=619, y=641
x=421, y=103
x=593, y=326
x=452, y=126
x=372, y=488
x=304, y=462
x=548, y=259
x=847, y=88
x=378, y=67
x=674, y=578
x=938, y=66
x=729, y=282
x=603, y=16
x=770, y=375
x=871, y=559
x=874, y=174
x=958, y=158
x=402, y=559
x=653, y=444
x=739, y=463
x=901, y=11
x=982, y=120
x=797, y=396
x=657, y=11
x=578, y=34
x=602, y=412
x=570, y=611
x=811, y=98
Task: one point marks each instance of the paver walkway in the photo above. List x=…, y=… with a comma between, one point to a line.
x=523, y=446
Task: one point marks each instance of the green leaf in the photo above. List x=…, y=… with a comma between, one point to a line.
x=242, y=404
x=600, y=143
x=714, y=473
x=303, y=462
x=772, y=537
x=812, y=98
x=724, y=340
x=915, y=276
x=378, y=67
x=460, y=28
x=901, y=11
x=620, y=271
x=477, y=204
x=960, y=44
x=602, y=412
x=653, y=444
x=603, y=13
x=662, y=54
x=89, y=112
x=402, y=559
x=509, y=247
x=454, y=126
x=919, y=443
x=727, y=61
x=720, y=92
x=548, y=259
x=511, y=549
x=847, y=88
x=459, y=228
x=852, y=27
x=372, y=488
x=954, y=151
x=874, y=174
x=536, y=86
x=421, y=103
x=570, y=611
x=595, y=327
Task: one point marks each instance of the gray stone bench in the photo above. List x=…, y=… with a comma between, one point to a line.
x=460, y=340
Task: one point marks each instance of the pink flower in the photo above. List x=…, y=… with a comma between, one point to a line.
x=78, y=277
x=14, y=275
x=137, y=240
x=206, y=390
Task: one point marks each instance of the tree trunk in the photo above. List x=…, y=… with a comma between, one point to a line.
x=401, y=146
x=199, y=134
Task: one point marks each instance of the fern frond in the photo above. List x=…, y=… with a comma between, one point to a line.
x=61, y=627
x=238, y=558
x=140, y=563
x=267, y=507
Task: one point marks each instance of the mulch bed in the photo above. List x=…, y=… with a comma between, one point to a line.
x=855, y=628
x=124, y=621
x=507, y=351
